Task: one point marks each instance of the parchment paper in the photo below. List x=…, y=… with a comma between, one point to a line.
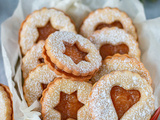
x=148, y=33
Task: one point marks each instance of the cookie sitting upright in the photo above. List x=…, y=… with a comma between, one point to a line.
x=71, y=55
x=40, y=24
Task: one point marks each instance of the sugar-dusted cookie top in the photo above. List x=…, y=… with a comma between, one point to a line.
x=40, y=24
x=65, y=99
x=120, y=63
x=121, y=95
x=107, y=17
x=6, y=104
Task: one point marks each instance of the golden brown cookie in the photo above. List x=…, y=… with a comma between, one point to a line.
x=71, y=55
x=120, y=63
x=36, y=82
x=121, y=95
x=110, y=41
x=40, y=24
x=32, y=58
x=107, y=17
x=6, y=103
x=65, y=99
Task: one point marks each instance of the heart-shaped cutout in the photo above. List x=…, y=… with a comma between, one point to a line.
x=110, y=50
x=123, y=99
x=113, y=24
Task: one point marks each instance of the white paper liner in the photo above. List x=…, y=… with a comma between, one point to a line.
x=148, y=33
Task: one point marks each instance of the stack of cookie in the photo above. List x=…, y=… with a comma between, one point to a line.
x=96, y=74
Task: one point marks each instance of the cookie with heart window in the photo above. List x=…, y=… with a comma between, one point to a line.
x=6, y=103
x=107, y=17
x=71, y=55
x=121, y=95
x=110, y=41
x=65, y=99
x=120, y=63
x=40, y=24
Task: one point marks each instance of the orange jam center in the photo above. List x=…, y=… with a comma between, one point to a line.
x=68, y=105
x=45, y=31
x=114, y=24
x=110, y=50
x=123, y=99
x=74, y=53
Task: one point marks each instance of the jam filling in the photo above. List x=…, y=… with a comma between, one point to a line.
x=74, y=53
x=41, y=60
x=123, y=99
x=68, y=105
x=110, y=50
x=113, y=24
x=60, y=70
x=45, y=31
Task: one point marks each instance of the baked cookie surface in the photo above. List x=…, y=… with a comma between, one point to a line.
x=120, y=63
x=71, y=55
x=107, y=17
x=110, y=41
x=36, y=82
x=65, y=99
x=6, y=104
x=121, y=95
x=40, y=24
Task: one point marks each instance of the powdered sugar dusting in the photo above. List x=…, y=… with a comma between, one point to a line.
x=100, y=103
x=32, y=86
x=55, y=46
x=52, y=95
x=107, y=15
x=5, y=105
x=29, y=33
x=31, y=59
x=115, y=36
x=83, y=113
x=122, y=62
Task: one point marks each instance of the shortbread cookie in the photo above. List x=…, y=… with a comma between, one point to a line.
x=6, y=104
x=121, y=95
x=110, y=41
x=71, y=55
x=32, y=58
x=40, y=24
x=122, y=62
x=36, y=82
x=107, y=17
x=65, y=99
x=61, y=72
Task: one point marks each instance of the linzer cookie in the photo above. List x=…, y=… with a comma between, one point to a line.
x=32, y=58
x=40, y=24
x=65, y=99
x=71, y=55
x=120, y=63
x=107, y=17
x=36, y=82
x=6, y=104
x=110, y=41
x=121, y=95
